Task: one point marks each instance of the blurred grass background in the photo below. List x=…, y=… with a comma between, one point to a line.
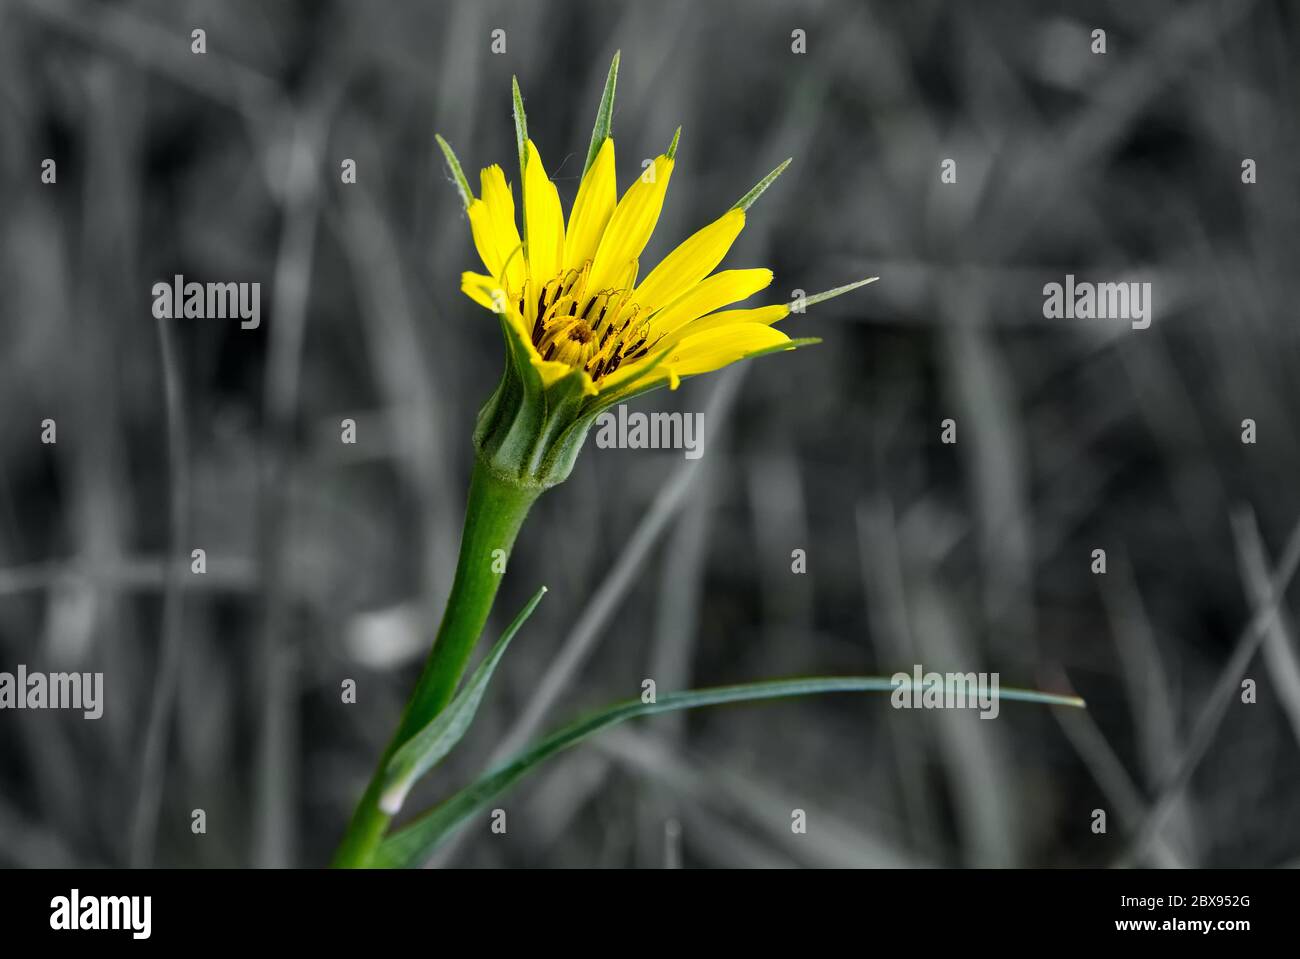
x=328, y=562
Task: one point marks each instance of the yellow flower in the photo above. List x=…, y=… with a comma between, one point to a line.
x=583, y=327
x=575, y=295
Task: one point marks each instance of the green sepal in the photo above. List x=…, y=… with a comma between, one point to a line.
x=528, y=433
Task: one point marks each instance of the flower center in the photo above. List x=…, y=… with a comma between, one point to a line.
x=593, y=330
x=580, y=332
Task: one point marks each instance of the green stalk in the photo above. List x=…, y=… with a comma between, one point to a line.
x=493, y=515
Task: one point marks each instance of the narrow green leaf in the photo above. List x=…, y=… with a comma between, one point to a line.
x=426, y=748
x=412, y=845
x=604, y=114
x=746, y=201
x=672, y=147
x=458, y=175
x=831, y=294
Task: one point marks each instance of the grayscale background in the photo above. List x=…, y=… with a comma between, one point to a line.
x=328, y=562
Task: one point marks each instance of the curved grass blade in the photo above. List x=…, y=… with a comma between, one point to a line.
x=426, y=748
x=411, y=846
x=604, y=114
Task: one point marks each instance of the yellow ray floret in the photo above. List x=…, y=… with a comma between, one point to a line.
x=492, y=221
x=592, y=209
x=543, y=219
x=633, y=221
x=691, y=262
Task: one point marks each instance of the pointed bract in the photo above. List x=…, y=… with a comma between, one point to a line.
x=746, y=201
x=604, y=114
x=831, y=294
x=457, y=174
x=521, y=123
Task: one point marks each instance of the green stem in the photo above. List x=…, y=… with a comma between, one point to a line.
x=493, y=515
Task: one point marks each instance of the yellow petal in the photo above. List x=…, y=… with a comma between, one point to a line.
x=543, y=219
x=479, y=287
x=627, y=278
x=552, y=370
x=630, y=227
x=699, y=352
x=721, y=289
x=691, y=262
x=485, y=240
x=762, y=315
x=713, y=349
x=500, y=226
x=592, y=209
